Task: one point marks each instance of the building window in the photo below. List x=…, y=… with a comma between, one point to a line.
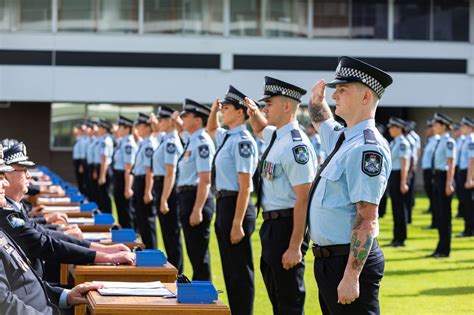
x=369, y=19
x=184, y=16
x=412, y=19
x=451, y=20
x=118, y=16
x=246, y=18
x=286, y=18
x=77, y=16
x=331, y=18
x=33, y=15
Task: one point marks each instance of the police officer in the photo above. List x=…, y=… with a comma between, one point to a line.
x=343, y=202
x=466, y=174
x=193, y=185
x=164, y=162
x=426, y=165
x=444, y=165
x=92, y=172
x=233, y=166
x=143, y=183
x=286, y=170
x=124, y=158
x=414, y=141
x=383, y=201
x=79, y=154
x=460, y=138
x=105, y=149
x=398, y=182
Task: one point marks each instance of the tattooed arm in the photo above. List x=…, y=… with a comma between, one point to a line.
x=318, y=108
x=363, y=232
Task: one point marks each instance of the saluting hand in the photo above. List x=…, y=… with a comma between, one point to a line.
x=177, y=118
x=78, y=294
x=291, y=258
x=318, y=93
x=236, y=233
x=252, y=108
x=216, y=105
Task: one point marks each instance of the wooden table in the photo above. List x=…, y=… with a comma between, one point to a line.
x=121, y=305
x=95, y=227
x=80, y=274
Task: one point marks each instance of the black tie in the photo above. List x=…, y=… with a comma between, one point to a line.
x=339, y=142
x=433, y=156
x=259, y=170
x=213, y=169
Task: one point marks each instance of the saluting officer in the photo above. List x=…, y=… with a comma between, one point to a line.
x=345, y=194
x=398, y=181
x=286, y=170
x=443, y=172
x=124, y=158
x=233, y=166
x=143, y=183
x=164, y=165
x=466, y=174
x=105, y=150
x=196, y=206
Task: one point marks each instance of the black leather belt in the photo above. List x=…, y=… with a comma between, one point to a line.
x=333, y=250
x=225, y=193
x=158, y=178
x=275, y=214
x=186, y=188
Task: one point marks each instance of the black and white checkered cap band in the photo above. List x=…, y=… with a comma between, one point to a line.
x=363, y=77
x=189, y=107
x=235, y=98
x=283, y=91
x=15, y=158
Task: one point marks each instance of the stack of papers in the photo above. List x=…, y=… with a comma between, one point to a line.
x=62, y=208
x=90, y=236
x=155, y=288
x=53, y=200
x=80, y=220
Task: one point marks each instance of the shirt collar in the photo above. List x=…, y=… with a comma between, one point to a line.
x=197, y=134
x=359, y=128
x=286, y=128
x=237, y=129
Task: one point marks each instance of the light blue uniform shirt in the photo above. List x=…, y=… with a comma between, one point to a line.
x=445, y=150
x=197, y=158
x=261, y=145
x=238, y=155
x=125, y=152
x=144, y=155
x=467, y=152
x=412, y=143
x=427, y=156
x=106, y=148
x=359, y=171
x=168, y=152
x=91, y=150
x=400, y=149
x=316, y=142
x=77, y=148
x=459, y=144
x=290, y=162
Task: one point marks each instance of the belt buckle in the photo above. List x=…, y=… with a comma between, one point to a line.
x=274, y=215
x=325, y=252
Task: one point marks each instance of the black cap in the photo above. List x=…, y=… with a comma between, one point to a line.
x=142, y=119
x=354, y=70
x=124, y=121
x=396, y=122
x=4, y=168
x=442, y=119
x=456, y=126
x=467, y=121
x=275, y=87
x=235, y=97
x=164, y=112
x=16, y=154
x=191, y=106
x=104, y=124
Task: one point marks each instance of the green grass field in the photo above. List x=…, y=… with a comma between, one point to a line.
x=412, y=284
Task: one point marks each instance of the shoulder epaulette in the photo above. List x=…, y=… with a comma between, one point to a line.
x=243, y=135
x=296, y=135
x=369, y=137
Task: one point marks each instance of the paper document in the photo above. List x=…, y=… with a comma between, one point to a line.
x=130, y=285
x=61, y=208
x=96, y=236
x=53, y=200
x=80, y=220
x=135, y=292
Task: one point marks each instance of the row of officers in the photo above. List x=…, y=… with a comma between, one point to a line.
x=447, y=165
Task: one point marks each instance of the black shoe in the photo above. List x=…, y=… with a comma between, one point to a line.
x=429, y=227
x=397, y=244
x=440, y=255
x=435, y=254
x=426, y=212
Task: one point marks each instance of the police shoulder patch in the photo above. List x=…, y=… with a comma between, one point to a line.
x=338, y=128
x=471, y=146
x=203, y=151
x=403, y=147
x=301, y=154
x=149, y=152
x=15, y=221
x=245, y=149
x=171, y=148
x=372, y=162
x=450, y=145
x=103, y=144
x=128, y=149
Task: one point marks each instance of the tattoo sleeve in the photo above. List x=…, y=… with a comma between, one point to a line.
x=362, y=236
x=319, y=112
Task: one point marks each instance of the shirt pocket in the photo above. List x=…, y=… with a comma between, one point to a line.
x=330, y=192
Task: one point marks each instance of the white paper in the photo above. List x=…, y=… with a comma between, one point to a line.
x=61, y=208
x=130, y=285
x=135, y=292
x=95, y=236
x=80, y=220
x=53, y=200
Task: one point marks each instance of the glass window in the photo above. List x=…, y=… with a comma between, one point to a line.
x=412, y=19
x=451, y=20
x=5, y=15
x=331, y=18
x=286, y=18
x=369, y=19
x=245, y=18
x=118, y=16
x=184, y=16
x=34, y=15
x=64, y=116
x=76, y=15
